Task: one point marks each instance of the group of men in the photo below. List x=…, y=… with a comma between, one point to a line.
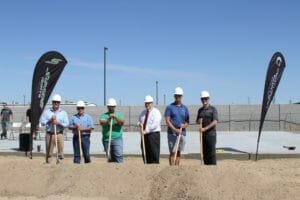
x=176, y=116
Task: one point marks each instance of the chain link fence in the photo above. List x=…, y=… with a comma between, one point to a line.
x=231, y=117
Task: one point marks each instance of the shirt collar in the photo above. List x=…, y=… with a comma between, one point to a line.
x=77, y=114
x=206, y=107
x=174, y=104
x=52, y=110
x=150, y=109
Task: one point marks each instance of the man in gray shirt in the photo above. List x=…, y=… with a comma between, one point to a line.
x=208, y=116
x=6, y=117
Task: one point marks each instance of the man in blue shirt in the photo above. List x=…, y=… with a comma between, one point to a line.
x=54, y=116
x=84, y=123
x=177, y=119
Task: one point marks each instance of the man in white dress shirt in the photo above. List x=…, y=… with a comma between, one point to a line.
x=149, y=122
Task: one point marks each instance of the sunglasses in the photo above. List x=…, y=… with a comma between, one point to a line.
x=55, y=102
x=80, y=108
x=204, y=99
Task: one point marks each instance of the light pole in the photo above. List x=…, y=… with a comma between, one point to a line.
x=156, y=92
x=164, y=99
x=104, y=90
x=24, y=99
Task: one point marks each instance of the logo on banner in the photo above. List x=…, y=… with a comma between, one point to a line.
x=43, y=87
x=54, y=61
x=278, y=61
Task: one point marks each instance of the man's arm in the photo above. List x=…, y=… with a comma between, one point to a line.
x=214, y=122
x=120, y=120
x=170, y=125
x=65, y=121
x=71, y=124
x=186, y=120
x=210, y=126
x=45, y=119
x=103, y=120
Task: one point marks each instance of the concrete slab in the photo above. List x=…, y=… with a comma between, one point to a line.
x=227, y=142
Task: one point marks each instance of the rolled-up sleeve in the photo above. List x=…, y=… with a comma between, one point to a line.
x=91, y=122
x=63, y=119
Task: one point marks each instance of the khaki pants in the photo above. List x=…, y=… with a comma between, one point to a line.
x=50, y=147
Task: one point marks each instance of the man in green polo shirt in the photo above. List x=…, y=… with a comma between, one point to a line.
x=116, y=146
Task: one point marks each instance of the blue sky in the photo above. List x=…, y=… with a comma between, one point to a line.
x=220, y=46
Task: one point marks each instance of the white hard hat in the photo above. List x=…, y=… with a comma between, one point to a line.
x=56, y=97
x=111, y=102
x=148, y=99
x=178, y=91
x=204, y=94
x=80, y=104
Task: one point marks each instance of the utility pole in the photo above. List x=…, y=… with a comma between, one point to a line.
x=156, y=92
x=104, y=95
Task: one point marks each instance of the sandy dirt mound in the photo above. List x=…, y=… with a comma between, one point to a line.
x=22, y=178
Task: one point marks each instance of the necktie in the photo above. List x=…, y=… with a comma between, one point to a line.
x=146, y=119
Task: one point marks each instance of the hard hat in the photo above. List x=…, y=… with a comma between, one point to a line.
x=204, y=94
x=111, y=102
x=148, y=99
x=178, y=91
x=56, y=97
x=80, y=104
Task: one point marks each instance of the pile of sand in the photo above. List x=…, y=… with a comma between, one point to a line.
x=22, y=178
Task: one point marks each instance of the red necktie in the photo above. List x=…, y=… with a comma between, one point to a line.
x=146, y=119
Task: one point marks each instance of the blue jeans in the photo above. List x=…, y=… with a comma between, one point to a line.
x=85, y=144
x=116, y=150
x=5, y=125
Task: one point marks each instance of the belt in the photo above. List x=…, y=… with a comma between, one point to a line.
x=52, y=133
x=155, y=132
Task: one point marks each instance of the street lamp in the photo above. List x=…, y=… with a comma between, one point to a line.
x=156, y=92
x=104, y=95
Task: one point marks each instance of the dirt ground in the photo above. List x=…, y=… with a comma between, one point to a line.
x=22, y=178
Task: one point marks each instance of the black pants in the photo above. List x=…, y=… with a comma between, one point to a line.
x=152, y=144
x=209, y=148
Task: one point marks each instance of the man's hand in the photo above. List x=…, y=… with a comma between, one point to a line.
x=111, y=115
x=202, y=130
x=78, y=127
x=53, y=119
x=177, y=131
x=183, y=126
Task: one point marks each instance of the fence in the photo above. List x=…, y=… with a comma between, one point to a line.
x=231, y=117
